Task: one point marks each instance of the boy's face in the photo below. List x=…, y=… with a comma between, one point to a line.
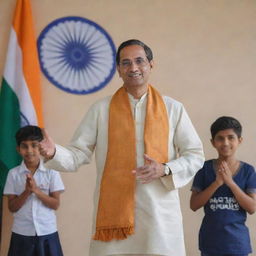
x=226, y=143
x=29, y=150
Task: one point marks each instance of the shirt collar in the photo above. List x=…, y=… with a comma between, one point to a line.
x=23, y=167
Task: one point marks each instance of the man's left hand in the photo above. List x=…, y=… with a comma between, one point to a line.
x=150, y=171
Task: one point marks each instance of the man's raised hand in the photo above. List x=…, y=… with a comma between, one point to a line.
x=47, y=146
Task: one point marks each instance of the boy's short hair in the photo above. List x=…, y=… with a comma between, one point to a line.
x=29, y=132
x=224, y=123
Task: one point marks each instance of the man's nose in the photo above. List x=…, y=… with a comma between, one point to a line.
x=133, y=66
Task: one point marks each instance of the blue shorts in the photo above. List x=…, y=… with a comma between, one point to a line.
x=48, y=245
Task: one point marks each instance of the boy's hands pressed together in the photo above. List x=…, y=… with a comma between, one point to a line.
x=246, y=201
x=28, y=187
x=219, y=178
x=225, y=173
x=52, y=200
x=31, y=183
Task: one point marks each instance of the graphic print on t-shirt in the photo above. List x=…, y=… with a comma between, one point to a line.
x=223, y=203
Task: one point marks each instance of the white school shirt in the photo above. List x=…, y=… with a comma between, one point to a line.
x=158, y=218
x=33, y=218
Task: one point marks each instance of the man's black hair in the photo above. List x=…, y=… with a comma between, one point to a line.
x=147, y=50
x=29, y=132
x=224, y=123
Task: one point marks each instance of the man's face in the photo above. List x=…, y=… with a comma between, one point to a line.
x=134, y=67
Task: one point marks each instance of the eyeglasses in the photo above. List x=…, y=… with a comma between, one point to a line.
x=140, y=62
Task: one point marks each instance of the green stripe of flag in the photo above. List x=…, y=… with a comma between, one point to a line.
x=9, y=124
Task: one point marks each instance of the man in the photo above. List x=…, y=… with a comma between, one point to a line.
x=146, y=148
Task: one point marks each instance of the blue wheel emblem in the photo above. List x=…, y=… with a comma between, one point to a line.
x=76, y=55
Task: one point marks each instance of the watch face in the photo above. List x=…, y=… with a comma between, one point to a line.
x=166, y=170
x=76, y=55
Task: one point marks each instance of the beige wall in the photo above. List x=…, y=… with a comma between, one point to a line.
x=205, y=55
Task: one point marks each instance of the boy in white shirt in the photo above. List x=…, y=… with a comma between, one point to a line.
x=33, y=196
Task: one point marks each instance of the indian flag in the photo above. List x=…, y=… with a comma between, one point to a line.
x=20, y=95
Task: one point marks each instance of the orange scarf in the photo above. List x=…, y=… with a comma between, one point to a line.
x=115, y=217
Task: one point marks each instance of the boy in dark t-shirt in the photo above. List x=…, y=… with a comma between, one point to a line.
x=226, y=188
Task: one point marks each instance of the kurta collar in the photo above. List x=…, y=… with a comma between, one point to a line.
x=142, y=98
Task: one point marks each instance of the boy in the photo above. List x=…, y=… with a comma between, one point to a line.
x=33, y=194
x=226, y=188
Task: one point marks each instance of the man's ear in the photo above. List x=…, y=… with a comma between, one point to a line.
x=151, y=63
x=118, y=69
x=18, y=149
x=240, y=139
x=212, y=141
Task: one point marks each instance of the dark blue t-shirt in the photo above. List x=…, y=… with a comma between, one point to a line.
x=223, y=229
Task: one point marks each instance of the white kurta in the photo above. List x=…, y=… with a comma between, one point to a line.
x=158, y=218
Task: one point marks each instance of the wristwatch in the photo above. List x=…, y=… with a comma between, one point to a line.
x=167, y=170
